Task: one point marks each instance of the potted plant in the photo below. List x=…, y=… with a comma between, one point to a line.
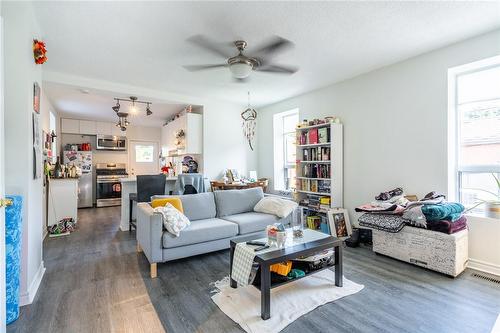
x=492, y=206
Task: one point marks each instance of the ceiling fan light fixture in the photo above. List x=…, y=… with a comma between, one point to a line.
x=240, y=70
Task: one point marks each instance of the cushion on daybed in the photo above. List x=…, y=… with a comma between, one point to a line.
x=232, y=202
x=201, y=231
x=252, y=221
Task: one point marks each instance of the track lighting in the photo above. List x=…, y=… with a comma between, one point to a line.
x=123, y=116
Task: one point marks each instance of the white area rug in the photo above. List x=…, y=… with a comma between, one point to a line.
x=288, y=302
x=496, y=327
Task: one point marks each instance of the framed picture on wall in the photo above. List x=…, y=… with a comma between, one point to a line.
x=338, y=220
x=36, y=97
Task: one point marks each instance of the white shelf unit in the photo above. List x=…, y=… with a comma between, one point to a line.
x=334, y=162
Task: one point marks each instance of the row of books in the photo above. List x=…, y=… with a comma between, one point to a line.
x=313, y=185
x=313, y=136
x=316, y=154
x=318, y=222
x=316, y=170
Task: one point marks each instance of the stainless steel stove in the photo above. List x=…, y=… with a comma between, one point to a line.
x=108, y=186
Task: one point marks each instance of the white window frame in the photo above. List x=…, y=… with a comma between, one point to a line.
x=279, y=154
x=454, y=169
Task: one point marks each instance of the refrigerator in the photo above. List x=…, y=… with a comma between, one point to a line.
x=83, y=160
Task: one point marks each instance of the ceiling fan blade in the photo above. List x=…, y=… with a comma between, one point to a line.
x=194, y=68
x=273, y=45
x=209, y=45
x=277, y=69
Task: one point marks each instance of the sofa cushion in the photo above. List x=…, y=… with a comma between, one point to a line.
x=252, y=221
x=174, y=201
x=232, y=202
x=201, y=231
x=196, y=206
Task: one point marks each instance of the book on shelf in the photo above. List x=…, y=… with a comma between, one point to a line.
x=312, y=136
x=316, y=170
x=323, y=134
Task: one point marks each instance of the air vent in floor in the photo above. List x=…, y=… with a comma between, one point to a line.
x=486, y=278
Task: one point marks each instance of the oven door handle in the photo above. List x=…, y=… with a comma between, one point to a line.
x=107, y=181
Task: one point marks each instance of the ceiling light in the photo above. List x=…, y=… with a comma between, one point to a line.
x=122, y=115
x=240, y=70
x=116, y=108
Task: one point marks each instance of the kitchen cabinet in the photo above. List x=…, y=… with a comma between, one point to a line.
x=88, y=127
x=192, y=143
x=70, y=126
x=63, y=200
x=116, y=131
x=103, y=128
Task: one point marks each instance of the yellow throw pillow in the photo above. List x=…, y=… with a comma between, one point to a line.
x=174, y=201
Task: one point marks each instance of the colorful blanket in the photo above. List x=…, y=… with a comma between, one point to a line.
x=447, y=226
x=445, y=211
x=383, y=222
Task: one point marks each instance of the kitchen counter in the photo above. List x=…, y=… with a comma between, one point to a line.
x=129, y=185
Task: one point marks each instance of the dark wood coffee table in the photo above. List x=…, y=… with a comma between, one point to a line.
x=266, y=259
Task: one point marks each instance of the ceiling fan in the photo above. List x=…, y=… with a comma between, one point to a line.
x=241, y=65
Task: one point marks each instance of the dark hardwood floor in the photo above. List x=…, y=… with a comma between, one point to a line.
x=96, y=282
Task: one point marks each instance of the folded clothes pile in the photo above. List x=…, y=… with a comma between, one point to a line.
x=391, y=211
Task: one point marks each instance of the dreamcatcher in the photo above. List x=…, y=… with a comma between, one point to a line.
x=249, y=123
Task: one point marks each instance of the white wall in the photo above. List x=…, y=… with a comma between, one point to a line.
x=20, y=73
x=395, y=126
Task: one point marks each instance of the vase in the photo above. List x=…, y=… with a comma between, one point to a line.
x=492, y=209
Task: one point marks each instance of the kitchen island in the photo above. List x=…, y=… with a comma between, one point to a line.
x=129, y=185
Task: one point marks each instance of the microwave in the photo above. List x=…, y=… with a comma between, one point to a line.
x=111, y=142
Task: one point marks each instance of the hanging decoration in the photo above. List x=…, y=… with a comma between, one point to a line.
x=249, y=123
x=39, y=52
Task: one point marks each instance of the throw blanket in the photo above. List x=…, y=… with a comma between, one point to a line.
x=242, y=263
x=383, y=222
x=445, y=211
x=448, y=227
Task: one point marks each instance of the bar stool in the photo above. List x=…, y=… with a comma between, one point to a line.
x=131, y=222
x=147, y=186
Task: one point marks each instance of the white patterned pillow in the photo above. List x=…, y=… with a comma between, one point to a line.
x=173, y=220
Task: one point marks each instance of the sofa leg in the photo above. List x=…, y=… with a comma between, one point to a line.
x=153, y=270
x=139, y=249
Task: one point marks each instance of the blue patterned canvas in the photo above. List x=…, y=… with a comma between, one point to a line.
x=13, y=239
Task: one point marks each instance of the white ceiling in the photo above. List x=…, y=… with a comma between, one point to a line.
x=72, y=102
x=144, y=43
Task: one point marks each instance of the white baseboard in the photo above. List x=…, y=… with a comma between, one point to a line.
x=28, y=297
x=484, y=266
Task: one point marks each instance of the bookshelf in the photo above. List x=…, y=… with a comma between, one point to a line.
x=319, y=172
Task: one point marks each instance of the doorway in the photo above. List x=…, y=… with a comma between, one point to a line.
x=143, y=158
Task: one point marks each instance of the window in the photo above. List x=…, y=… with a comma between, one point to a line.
x=284, y=125
x=144, y=154
x=52, y=128
x=475, y=123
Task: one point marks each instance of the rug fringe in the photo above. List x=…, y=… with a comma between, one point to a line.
x=220, y=285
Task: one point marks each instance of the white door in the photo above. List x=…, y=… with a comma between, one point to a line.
x=2, y=189
x=143, y=158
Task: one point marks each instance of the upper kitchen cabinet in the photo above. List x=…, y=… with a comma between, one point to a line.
x=103, y=128
x=88, y=127
x=191, y=124
x=70, y=126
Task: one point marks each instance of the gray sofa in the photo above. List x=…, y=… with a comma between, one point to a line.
x=215, y=217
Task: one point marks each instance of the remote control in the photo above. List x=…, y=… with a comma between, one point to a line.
x=256, y=243
x=261, y=248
